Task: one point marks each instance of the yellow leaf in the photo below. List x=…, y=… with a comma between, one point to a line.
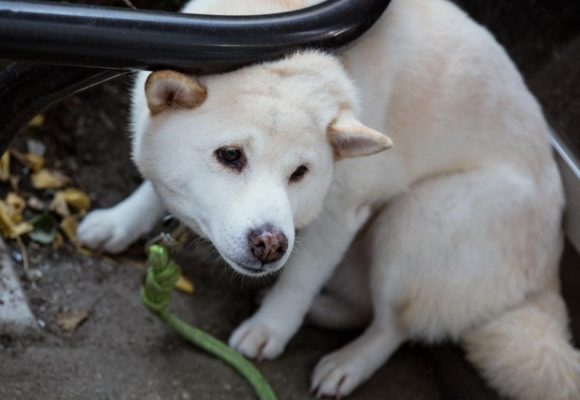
x=77, y=199
x=184, y=284
x=59, y=205
x=33, y=161
x=11, y=225
x=46, y=179
x=69, y=322
x=69, y=226
x=5, y=167
x=21, y=229
x=17, y=204
x=37, y=121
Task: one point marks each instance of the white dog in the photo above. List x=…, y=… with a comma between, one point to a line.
x=453, y=233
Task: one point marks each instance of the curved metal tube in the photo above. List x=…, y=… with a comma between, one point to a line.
x=120, y=38
x=102, y=37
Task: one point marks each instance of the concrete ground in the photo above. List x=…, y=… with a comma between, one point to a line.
x=122, y=352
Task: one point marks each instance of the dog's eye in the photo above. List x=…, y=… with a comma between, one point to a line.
x=232, y=157
x=298, y=174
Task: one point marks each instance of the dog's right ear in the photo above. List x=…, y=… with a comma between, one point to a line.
x=173, y=90
x=351, y=138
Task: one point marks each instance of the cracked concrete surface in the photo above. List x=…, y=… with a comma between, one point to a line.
x=16, y=318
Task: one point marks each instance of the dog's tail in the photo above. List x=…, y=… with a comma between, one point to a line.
x=525, y=353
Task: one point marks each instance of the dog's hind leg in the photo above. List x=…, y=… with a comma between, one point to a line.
x=449, y=254
x=525, y=352
x=115, y=228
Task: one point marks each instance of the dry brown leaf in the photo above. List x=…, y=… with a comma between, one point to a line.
x=33, y=161
x=5, y=167
x=8, y=227
x=21, y=229
x=57, y=242
x=18, y=205
x=11, y=225
x=70, y=321
x=47, y=179
x=59, y=205
x=70, y=198
x=69, y=226
x=37, y=121
x=184, y=284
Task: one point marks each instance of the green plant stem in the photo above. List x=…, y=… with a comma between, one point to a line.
x=162, y=273
x=221, y=350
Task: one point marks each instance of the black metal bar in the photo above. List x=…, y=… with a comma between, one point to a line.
x=121, y=38
x=102, y=37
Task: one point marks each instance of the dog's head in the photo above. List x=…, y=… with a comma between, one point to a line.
x=246, y=158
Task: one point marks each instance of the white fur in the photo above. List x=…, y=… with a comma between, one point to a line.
x=453, y=233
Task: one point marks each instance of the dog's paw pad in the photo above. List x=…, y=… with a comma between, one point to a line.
x=335, y=376
x=104, y=230
x=256, y=340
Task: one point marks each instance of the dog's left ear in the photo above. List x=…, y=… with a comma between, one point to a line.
x=351, y=138
x=173, y=90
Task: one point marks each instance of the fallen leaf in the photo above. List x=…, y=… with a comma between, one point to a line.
x=184, y=284
x=18, y=230
x=11, y=225
x=33, y=161
x=37, y=121
x=5, y=167
x=69, y=226
x=57, y=242
x=18, y=205
x=73, y=198
x=70, y=321
x=46, y=179
x=44, y=228
x=59, y=205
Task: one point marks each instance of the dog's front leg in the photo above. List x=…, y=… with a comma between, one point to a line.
x=115, y=228
x=321, y=247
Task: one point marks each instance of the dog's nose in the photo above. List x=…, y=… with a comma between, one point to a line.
x=267, y=243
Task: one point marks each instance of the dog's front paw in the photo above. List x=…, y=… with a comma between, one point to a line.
x=256, y=339
x=107, y=230
x=337, y=375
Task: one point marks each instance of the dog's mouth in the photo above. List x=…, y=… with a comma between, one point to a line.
x=254, y=271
